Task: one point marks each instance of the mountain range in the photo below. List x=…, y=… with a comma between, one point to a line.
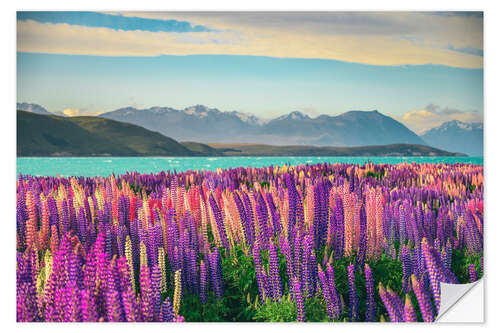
x=50, y=135
x=353, y=128
x=200, y=123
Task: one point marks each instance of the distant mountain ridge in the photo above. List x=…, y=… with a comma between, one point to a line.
x=198, y=123
x=202, y=124
x=457, y=136
x=32, y=107
x=50, y=135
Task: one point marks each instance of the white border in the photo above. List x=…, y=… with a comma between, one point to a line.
x=8, y=89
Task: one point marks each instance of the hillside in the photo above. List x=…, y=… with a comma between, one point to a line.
x=238, y=149
x=42, y=135
x=202, y=149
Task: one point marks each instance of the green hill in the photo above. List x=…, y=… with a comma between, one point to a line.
x=42, y=135
x=202, y=149
x=251, y=149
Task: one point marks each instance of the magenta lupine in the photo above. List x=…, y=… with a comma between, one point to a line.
x=146, y=294
x=155, y=286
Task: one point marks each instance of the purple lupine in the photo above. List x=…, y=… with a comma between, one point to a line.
x=337, y=306
x=250, y=219
x=482, y=266
x=326, y=292
x=472, y=273
x=339, y=230
x=285, y=249
x=203, y=282
x=262, y=218
x=258, y=273
x=297, y=252
x=362, y=237
x=407, y=268
x=370, y=299
x=423, y=300
x=274, y=275
x=391, y=304
x=215, y=270
x=299, y=300
x=292, y=208
x=167, y=312
x=243, y=218
x=409, y=314
x=274, y=214
x=306, y=269
x=220, y=223
x=353, y=296
x=433, y=272
x=397, y=303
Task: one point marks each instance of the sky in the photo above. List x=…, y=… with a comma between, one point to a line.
x=421, y=68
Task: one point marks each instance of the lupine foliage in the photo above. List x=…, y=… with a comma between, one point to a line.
x=325, y=242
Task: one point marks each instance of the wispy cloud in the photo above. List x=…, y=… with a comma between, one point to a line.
x=112, y=21
x=383, y=38
x=433, y=115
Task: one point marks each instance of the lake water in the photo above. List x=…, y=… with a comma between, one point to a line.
x=104, y=166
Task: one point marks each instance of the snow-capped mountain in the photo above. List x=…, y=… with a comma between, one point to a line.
x=202, y=124
x=457, y=136
x=31, y=107
x=194, y=123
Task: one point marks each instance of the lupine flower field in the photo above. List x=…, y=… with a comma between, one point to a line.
x=324, y=242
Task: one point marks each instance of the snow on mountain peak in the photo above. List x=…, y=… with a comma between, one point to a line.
x=295, y=115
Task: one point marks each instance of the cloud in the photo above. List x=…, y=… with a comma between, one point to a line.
x=383, y=38
x=77, y=112
x=112, y=21
x=433, y=115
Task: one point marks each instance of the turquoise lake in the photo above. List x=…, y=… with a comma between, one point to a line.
x=104, y=166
